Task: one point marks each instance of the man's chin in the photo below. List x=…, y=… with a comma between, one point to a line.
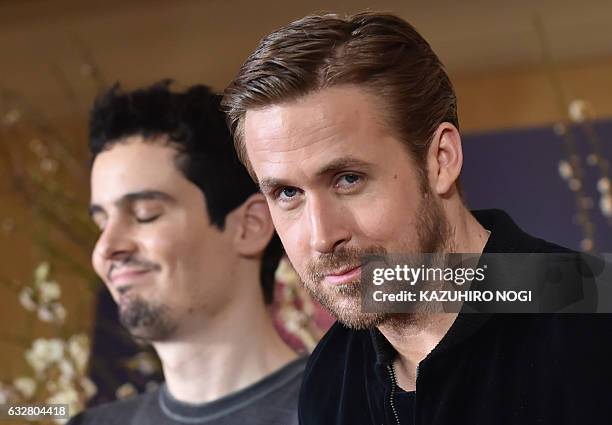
x=142, y=335
x=347, y=310
x=344, y=303
x=365, y=321
x=359, y=320
x=144, y=321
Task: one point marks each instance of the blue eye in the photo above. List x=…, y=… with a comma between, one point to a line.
x=351, y=178
x=287, y=196
x=289, y=192
x=349, y=183
x=348, y=180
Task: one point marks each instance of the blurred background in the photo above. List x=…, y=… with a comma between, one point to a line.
x=534, y=81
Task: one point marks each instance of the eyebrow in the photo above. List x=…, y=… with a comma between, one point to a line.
x=342, y=164
x=129, y=198
x=266, y=185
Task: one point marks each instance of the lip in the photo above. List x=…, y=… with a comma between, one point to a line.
x=125, y=277
x=344, y=276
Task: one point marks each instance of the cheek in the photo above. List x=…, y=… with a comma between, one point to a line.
x=388, y=214
x=180, y=259
x=163, y=247
x=196, y=250
x=386, y=222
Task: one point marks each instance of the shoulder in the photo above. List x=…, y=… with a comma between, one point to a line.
x=283, y=386
x=576, y=337
x=574, y=347
x=327, y=373
x=507, y=236
x=116, y=412
x=332, y=350
x=271, y=401
x=538, y=245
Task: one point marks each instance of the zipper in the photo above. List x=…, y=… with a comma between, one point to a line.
x=392, y=395
x=393, y=386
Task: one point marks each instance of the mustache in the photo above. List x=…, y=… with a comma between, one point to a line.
x=134, y=262
x=325, y=264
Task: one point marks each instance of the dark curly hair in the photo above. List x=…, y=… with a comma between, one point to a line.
x=196, y=128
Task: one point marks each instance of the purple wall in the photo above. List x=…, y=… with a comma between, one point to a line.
x=518, y=171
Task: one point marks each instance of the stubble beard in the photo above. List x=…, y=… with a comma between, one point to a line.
x=146, y=321
x=434, y=235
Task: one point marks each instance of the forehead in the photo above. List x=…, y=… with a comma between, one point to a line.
x=132, y=165
x=316, y=115
x=323, y=126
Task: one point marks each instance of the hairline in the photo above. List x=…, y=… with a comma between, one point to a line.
x=163, y=139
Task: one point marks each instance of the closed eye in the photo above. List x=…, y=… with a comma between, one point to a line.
x=148, y=219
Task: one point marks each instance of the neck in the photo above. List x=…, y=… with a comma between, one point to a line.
x=223, y=354
x=413, y=339
x=416, y=337
x=468, y=234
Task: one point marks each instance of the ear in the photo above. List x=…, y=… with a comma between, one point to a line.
x=254, y=226
x=445, y=159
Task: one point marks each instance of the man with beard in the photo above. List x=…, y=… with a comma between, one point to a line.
x=350, y=127
x=188, y=251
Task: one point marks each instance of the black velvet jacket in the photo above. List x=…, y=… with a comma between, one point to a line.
x=488, y=369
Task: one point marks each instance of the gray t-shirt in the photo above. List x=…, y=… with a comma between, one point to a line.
x=270, y=401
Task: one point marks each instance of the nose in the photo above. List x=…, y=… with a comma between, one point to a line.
x=115, y=243
x=328, y=225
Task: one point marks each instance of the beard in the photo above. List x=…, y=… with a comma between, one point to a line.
x=344, y=301
x=146, y=321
